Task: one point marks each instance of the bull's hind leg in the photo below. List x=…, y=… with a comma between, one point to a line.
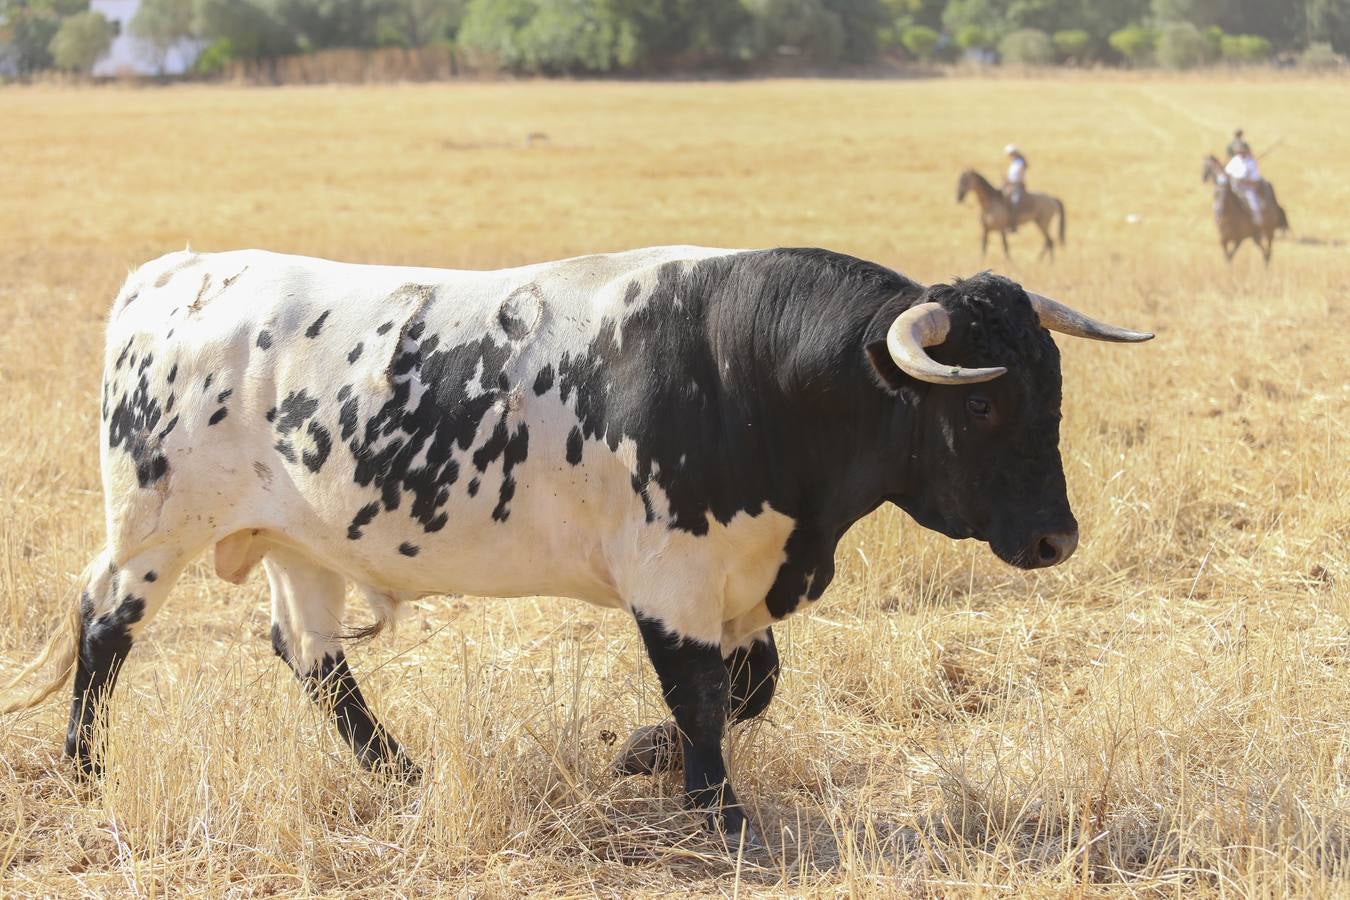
x=307, y=606
x=117, y=601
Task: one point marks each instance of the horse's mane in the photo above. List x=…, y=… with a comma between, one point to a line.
x=981, y=179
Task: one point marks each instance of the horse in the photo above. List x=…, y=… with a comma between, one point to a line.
x=996, y=212
x=1235, y=218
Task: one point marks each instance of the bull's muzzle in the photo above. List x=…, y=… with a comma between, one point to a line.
x=1050, y=549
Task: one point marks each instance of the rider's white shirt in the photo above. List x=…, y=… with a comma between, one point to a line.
x=1017, y=170
x=1243, y=168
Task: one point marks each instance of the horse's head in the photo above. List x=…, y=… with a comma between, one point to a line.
x=963, y=184
x=1210, y=169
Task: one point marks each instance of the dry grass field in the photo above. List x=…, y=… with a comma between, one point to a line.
x=1164, y=714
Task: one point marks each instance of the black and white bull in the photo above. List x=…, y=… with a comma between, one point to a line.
x=682, y=433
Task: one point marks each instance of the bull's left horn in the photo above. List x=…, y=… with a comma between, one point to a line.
x=926, y=325
x=1055, y=316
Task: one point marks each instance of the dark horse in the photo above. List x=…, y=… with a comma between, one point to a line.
x=1236, y=220
x=996, y=212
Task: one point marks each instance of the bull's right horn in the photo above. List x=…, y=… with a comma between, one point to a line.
x=926, y=325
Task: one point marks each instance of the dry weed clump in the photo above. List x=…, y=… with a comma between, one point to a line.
x=1164, y=714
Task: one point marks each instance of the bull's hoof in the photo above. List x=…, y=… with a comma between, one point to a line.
x=731, y=824
x=650, y=750
x=398, y=768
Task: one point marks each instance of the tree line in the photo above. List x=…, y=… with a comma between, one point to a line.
x=559, y=37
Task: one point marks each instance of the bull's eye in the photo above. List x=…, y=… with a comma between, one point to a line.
x=978, y=406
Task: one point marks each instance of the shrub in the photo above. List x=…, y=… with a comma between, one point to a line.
x=1245, y=48
x=212, y=59
x=1319, y=55
x=80, y=41
x=919, y=40
x=1027, y=47
x=973, y=37
x=1134, y=43
x=1074, y=44
x=1182, y=46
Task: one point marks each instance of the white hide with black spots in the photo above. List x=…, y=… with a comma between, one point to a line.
x=414, y=431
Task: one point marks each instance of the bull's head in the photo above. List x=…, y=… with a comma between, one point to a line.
x=984, y=443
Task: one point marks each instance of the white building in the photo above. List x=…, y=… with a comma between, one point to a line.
x=129, y=55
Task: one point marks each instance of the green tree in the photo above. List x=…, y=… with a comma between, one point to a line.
x=27, y=28
x=417, y=23
x=1134, y=43
x=248, y=29
x=320, y=24
x=80, y=41
x=162, y=24
x=1329, y=21
x=1200, y=13
x=1074, y=44
x=984, y=14
x=805, y=27
x=1027, y=47
x=862, y=21
x=681, y=32
x=1245, y=48
x=919, y=40
x=576, y=36
x=973, y=37
x=494, y=27
x=1182, y=46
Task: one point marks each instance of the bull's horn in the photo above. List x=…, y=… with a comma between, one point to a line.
x=926, y=325
x=1056, y=316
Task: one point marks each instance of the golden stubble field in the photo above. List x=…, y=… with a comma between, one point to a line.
x=1167, y=713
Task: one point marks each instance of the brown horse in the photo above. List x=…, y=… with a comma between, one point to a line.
x=1236, y=220
x=996, y=212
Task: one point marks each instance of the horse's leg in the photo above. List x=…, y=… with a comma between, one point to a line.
x=1049, y=245
x=1004, y=235
x=984, y=243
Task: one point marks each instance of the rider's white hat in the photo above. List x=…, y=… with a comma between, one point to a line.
x=1011, y=148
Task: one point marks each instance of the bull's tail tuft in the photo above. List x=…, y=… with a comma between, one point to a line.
x=60, y=653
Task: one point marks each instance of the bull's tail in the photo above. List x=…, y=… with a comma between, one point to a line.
x=59, y=653
x=1060, y=205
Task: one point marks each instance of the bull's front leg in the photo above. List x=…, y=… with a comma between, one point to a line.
x=696, y=686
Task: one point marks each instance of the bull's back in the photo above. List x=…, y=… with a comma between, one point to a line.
x=374, y=415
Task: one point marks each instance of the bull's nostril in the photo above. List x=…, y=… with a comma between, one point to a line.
x=1055, y=547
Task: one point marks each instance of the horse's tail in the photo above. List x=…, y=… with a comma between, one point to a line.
x=1059, y=204
x=60, y=652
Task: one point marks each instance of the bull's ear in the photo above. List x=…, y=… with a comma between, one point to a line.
x=889, y=376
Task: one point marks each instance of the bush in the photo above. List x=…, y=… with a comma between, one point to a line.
x=919, y=40
x=212, y=59
x=1134, y=43
x=1245, y=48
x=974, y=37
x=1320, y=56
x=80, y=41
x=1182, y=46
x=1027, y=47
x=1074, y=44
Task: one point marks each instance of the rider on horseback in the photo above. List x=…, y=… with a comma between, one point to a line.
x=1246, y=175
x=1015, y=183
x=1247, y=181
